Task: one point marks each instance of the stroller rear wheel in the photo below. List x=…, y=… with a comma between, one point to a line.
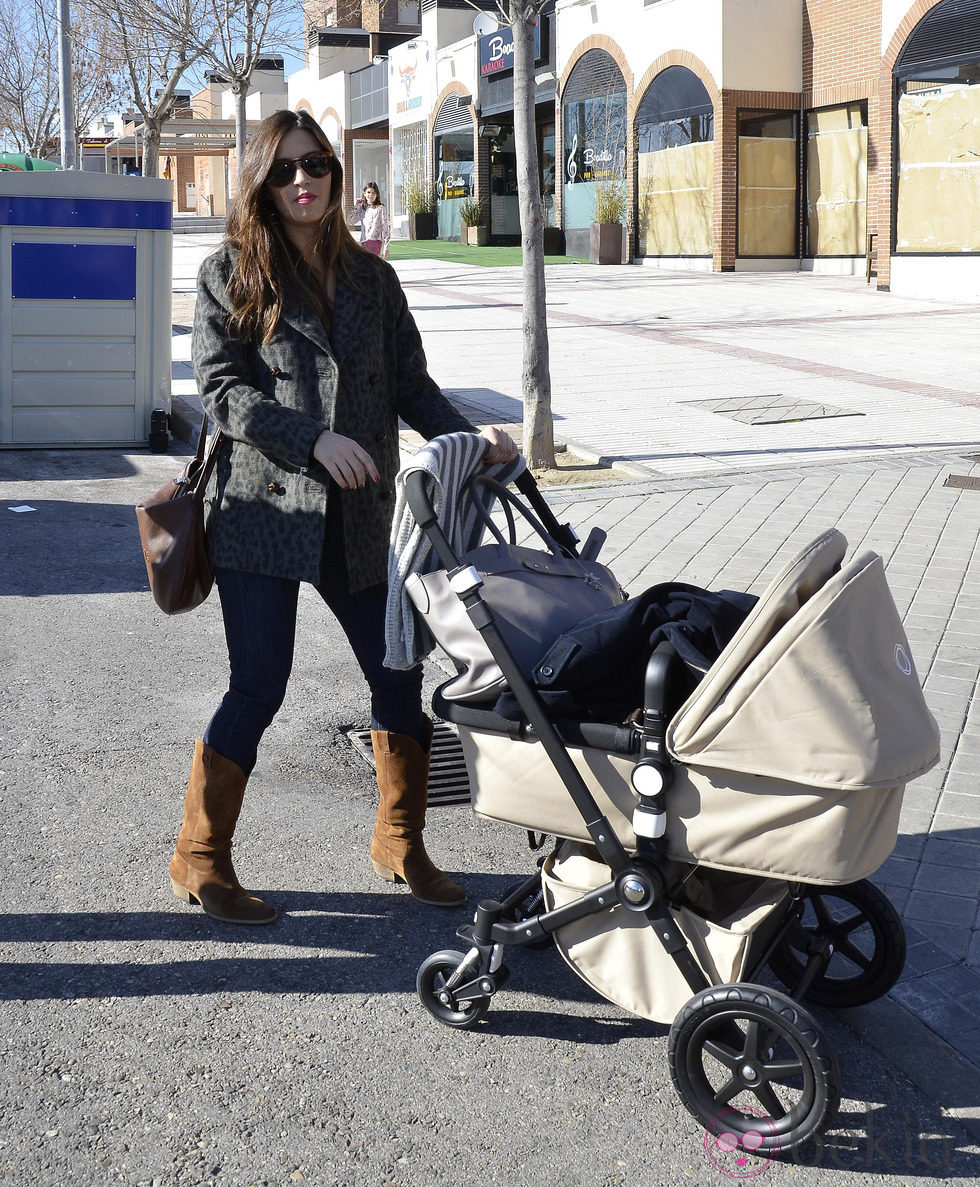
x=863, y=935
x=436, y=980
x=754, y=1068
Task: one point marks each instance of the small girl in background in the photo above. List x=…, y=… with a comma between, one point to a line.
x=370, y=215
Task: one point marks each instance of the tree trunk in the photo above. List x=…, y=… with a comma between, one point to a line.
x=150, y=166
x=539, y=433
x=241, y=94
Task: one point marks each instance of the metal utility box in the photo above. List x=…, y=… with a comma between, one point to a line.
x=85, y=308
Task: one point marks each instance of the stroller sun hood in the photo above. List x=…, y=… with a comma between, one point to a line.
x=818, y=686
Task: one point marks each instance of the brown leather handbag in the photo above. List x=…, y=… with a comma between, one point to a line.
x=171, y=526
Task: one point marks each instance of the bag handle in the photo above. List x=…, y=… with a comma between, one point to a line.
x=508, y=500
x=201, y=465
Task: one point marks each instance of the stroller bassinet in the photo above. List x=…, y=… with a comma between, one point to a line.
x=777, y=786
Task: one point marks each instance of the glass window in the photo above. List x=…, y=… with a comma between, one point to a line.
x=546, y=163
x=837, y=180
x=454, y=178
x=407, y=160
x=675, y=166
x=594, y=131
x=937, y=207
x=767, y=183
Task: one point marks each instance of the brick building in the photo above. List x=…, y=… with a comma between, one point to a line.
x=823, y=135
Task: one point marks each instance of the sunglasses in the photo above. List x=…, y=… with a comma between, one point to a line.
x=313, y=165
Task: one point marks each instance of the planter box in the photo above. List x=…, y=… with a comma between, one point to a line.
x=422, y=224
x=477, y=236
x=606, y=243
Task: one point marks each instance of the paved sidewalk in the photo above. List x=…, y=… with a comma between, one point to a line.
x=747, y=413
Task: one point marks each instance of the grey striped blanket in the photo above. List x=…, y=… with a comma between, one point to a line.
x=448, y=463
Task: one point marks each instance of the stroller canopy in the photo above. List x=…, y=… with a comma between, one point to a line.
x=818, y=685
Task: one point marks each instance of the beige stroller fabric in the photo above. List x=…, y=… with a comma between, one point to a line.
x=828, y=696
x=793, y=751
x=618, y=954
x=724, y=820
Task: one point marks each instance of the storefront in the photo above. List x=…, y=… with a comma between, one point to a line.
x=937, y=147
x=410, y=98
x=453, y=154
x=675, y=166
x=768, y=172
x=498, y=152
x=593, y=142
x=836, y=165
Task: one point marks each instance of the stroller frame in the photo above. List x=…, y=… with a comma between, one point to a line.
x=730, y=1042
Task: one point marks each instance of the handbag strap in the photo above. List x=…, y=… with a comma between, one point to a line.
x=201, y=438
x=507, y=501
x=202, y=465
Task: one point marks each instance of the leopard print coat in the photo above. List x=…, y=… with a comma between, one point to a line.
x=266, y=510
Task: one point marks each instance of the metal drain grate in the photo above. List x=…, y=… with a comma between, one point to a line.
x=448, y=780
x=963, y=481
x=770, y=409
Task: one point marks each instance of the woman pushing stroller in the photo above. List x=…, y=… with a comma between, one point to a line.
x=306, y=356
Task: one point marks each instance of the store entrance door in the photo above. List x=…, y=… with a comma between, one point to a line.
x=505, y=218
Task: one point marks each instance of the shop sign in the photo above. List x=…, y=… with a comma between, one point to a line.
x=451, y=186
x=594, y=164
x=496, y=50
x=408, y=83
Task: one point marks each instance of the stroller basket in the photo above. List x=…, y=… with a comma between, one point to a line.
x=710, y=836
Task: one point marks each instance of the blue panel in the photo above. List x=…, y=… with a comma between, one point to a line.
x=73, y=271
x=85, y=212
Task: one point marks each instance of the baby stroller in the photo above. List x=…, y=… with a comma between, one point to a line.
x=729, y=828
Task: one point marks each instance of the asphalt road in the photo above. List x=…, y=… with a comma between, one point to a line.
x=145, y=1044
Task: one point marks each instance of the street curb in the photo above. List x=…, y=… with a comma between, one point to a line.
x=630, y=470
x=921, y=1055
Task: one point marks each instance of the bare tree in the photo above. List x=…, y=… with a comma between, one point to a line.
x=157, y=42
x=29, y=93
x=244, y=32
x=539, y=434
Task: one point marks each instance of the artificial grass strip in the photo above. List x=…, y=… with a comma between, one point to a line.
x=462, y=253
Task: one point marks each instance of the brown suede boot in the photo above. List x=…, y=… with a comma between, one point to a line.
x=397, y=851
x=201, y=869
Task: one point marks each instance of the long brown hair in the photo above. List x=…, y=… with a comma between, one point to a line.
x=269, y=269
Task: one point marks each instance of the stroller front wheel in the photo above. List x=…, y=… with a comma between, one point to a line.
x=436, y=982
x=754, y=1068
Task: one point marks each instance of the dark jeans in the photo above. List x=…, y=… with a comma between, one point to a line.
x=260, y=628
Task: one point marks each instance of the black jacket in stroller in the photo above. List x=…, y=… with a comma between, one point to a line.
x=595, y=671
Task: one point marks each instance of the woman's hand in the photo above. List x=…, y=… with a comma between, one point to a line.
x=502, y=446
x=345, y=461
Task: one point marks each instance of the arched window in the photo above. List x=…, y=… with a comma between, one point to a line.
x=675, y=127
x=937, y=113
x=594, y=130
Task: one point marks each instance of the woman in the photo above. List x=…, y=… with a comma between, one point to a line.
x=369, y=214
x=305, y=355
